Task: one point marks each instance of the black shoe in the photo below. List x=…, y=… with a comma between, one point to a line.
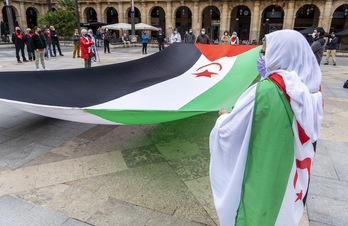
x=334, y=64
x=25, y=60
x=61, y=55
x=19, y=61
x=78, y=56
x=326, y=64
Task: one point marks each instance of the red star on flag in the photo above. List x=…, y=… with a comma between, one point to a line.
x=205, y=73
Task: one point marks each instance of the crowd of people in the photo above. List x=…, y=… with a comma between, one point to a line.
x=47, y=44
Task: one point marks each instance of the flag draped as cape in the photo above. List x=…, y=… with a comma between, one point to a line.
x=260, y=159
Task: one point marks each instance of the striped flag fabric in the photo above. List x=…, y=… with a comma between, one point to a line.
x=182, y=81
x=259, y=177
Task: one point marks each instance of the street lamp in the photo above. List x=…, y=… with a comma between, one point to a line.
x=9, y=16
x=77, y=16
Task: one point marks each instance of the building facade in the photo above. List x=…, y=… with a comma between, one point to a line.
x=250, y=19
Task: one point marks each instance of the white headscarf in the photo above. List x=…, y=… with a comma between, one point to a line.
x=289, y=54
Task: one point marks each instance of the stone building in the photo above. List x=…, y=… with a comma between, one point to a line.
x=251, y=19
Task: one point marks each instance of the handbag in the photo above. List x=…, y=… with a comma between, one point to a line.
x=91, y=54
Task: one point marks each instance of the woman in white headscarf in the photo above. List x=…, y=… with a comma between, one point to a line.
x=261, y=152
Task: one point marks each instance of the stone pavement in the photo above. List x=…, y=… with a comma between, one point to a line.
x=55, y=172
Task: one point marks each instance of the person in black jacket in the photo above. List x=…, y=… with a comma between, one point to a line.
x=331, y=47
x=160, y=39
x=39, y=45
x=18, y=38
x=55, y=41
x=30, y=50
x=319, y=43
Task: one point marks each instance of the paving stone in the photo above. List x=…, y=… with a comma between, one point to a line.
x=96, y=132
x=74, y=222
x=17, y=212
x=329, y=188
x=327, y=210
x=141, y=156
x=20, y=156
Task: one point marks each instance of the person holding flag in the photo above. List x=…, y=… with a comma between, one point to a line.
x=262, y=152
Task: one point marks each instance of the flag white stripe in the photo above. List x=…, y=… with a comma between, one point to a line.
x=174, y=93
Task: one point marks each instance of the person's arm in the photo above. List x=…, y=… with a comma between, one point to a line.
x=316, y=46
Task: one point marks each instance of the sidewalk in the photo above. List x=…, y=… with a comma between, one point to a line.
x=55, y=172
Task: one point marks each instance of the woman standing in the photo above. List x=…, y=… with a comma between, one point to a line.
x=86, y=43
x=225, y=39
x=259, y=169
x=144, y=40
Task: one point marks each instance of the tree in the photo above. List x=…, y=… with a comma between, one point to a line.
x=64, y=22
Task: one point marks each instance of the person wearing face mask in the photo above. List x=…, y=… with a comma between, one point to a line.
x=175, y=37
x=234, y=39
x=39, y=45
x=259, y=169
x=203, y=38
x=144, y=40
x=30, y=50
x=18, y=38
x=55, y=41
x=85, y=44
x=318, y=44
x=190, y=37
x=331, y=47
x=225, y=39
x=160, y=39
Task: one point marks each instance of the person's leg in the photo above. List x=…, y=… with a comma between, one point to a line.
x=108, y=44
x=37, y=60
x=89, y=62
x=74, y=51
x=17, y=54
x=328, y=52
x=42, y=59
x=58, y=47
x=23, y=54
x=104, y=46
x=78, y=50
x=86, y=63
x=145, y=48
x=50, y=49
x=33, y=53
x=30, y=57
x=333, y=53
x=54, y=48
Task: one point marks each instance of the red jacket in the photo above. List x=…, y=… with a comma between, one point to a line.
x=85, y=43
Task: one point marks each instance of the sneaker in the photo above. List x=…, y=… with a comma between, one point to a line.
x=334, y=64
x=326, y=64
x=19, y=61
x=46, y=69
x=37, y=69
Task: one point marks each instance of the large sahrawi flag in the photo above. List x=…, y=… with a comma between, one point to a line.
x=181, y=81
x=264, y=180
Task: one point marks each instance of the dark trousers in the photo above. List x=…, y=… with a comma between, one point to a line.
x=31, y=55
x=56, y=44
x=20, y=48
x=161, y=46
x=106, y=46
x=144, y=48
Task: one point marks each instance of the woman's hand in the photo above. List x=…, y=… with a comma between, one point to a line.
x=222, y=111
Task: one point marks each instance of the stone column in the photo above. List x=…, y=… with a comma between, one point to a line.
x=22, y=17
x=224, y=18
x=289, y=19
x=195, y=19
x=169, y=20
x=255, y=22
x=121, y=13
x=326, y=17
x=100, y=15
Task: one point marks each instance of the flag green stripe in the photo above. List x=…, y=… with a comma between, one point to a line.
x=227, y=91
x=141, y=117
x=270, y=157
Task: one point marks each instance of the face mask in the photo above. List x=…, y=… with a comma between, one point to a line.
x=234, y=36
x=175, y=32
x=203, y=32
x=314, y=35
x=261, y=66
x=190, y=32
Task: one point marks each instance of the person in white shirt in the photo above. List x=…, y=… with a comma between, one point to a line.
x=175, y=37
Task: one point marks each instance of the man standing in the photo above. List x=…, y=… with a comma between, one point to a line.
x=30, y=50
x=76, y=40
x=39, y=45
x=190, y=37
x=160, y=40
x=55, y=41
x=203, y=38
x=18, y=38
x=107, y=38
x=319, y=43
x=331, y=49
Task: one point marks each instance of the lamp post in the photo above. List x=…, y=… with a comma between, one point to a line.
x=132, y=18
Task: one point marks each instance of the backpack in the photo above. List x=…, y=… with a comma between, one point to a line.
x=345, y=84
